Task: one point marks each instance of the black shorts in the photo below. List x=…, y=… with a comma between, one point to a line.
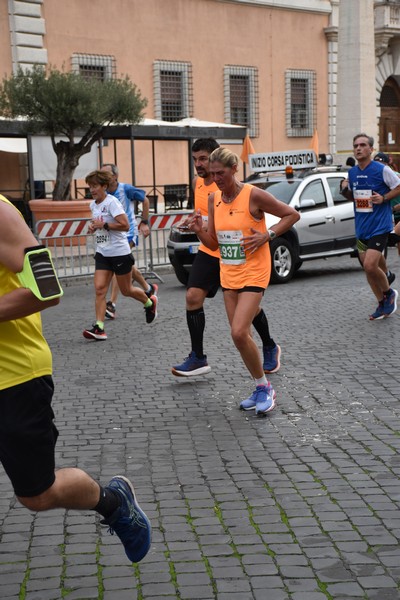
x=204, y=273
x=28, y=436
x=376, y=242
x=247, y=288
x=120, y=265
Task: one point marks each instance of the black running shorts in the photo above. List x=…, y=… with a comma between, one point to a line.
x=28, y=436
x=120, y=265
x=377, y=242
x=204, y=273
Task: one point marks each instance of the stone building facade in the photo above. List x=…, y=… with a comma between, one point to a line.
x=282, y=68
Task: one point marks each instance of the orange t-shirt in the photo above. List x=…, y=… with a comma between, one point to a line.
x=201, y=193
x=233, y=222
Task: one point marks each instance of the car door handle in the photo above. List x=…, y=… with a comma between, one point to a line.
x=332, y=219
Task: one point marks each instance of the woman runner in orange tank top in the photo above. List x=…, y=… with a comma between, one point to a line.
x=236, y=225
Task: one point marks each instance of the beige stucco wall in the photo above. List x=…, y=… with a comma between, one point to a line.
x=209, y=34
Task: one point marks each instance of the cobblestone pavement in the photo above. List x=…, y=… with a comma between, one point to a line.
x=300, y=505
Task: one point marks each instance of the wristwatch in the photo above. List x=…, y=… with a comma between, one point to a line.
x=144, y=221
x=106, y=227
x=272, y=234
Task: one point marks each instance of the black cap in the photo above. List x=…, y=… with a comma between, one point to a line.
x=382, y=157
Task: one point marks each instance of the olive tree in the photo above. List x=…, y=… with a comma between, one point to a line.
x=65, y=104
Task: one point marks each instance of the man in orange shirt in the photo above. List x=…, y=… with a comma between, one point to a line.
x=204, y=278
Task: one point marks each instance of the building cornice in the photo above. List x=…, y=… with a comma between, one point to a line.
x=315, y=6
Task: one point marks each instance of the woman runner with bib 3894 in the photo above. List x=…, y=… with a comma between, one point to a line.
x=236, y=224
x=113, y=254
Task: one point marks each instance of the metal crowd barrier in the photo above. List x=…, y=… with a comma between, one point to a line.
x=73, y=249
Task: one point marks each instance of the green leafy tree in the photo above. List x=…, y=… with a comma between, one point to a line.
x=58, y=103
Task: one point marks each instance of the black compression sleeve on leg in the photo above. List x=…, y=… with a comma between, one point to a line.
x=260, y=323
x=196, y=322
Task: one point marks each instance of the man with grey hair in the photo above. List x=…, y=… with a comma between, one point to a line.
x=128, y=194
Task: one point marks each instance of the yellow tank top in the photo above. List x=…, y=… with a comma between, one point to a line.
x=201, y=193
x=24, y=353
x=232, y=222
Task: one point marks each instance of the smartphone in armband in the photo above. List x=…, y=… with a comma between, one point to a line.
x=39, y=275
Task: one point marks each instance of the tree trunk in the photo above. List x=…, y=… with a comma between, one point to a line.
x=68, y=155
x=67, y=162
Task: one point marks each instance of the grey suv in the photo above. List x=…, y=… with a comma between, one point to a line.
x=326, y=226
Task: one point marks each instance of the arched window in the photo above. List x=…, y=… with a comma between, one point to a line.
x=390, y=96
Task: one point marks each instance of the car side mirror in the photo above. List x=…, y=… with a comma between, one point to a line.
x=307, y=203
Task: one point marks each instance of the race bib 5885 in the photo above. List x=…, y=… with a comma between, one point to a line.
x=363, y=200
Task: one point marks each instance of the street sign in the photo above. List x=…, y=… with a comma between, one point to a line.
x=278, y=161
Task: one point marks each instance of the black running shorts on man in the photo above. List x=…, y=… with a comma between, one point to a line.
x=28, y=436
x=204, y=273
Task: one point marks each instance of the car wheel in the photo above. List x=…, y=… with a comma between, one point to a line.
x=181, y=273
x=283, y=260
x=298, y=265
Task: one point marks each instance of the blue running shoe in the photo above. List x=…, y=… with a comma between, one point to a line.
x=378, y=314
x=265, y=400
x=272, y=357
x=250, y=402
x=129, y=522
x=390, y=302
x=191, y=366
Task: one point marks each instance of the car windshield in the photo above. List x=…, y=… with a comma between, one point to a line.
x=283, y=190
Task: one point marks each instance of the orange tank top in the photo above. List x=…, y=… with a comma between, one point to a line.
x=234, y=221
x=201, y=193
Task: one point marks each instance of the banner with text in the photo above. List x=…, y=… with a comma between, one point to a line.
x=278, y=161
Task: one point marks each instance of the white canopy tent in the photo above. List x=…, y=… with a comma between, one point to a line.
x=42, y=159
x=14, y=145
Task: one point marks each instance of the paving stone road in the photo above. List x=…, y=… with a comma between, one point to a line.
x=300, y=505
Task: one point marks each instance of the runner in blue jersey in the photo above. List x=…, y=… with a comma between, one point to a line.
x=371, y=185
x=128, y=194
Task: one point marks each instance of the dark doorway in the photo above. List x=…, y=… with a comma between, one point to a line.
x=389, y=124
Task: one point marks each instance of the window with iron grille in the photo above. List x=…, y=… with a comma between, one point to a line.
x=241, y=97
x=300, y=103
x=94, y=66
x=173, y=90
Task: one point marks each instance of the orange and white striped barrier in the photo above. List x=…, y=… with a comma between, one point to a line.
x=62, y=228
x=165, y=221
